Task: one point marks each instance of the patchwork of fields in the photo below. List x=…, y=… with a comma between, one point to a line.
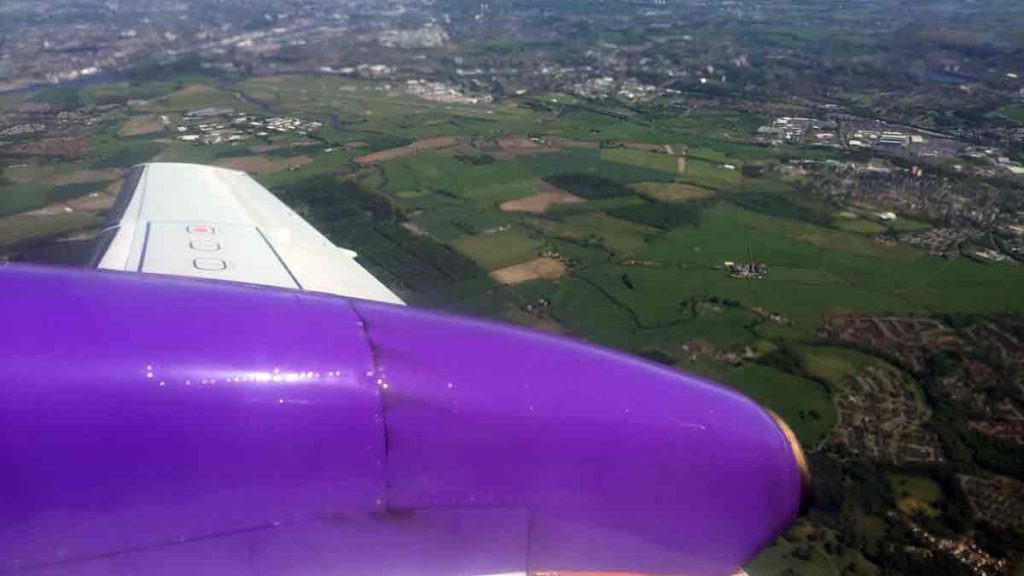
x=619, y=228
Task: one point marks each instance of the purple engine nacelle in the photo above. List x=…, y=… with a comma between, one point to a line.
x=156, y=426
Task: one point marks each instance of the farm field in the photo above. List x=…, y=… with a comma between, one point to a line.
x=493, y=250
x=803, y=403
x=803, y=549
x=1015, y=113
x=672, y=191
x=916, y=494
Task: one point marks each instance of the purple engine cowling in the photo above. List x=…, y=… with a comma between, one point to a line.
x=154, y=425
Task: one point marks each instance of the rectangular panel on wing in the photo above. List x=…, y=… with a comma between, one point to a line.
x=220, y=252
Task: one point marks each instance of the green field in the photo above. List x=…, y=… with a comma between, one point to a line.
x=848, y=270
x=196, y=96
x=907, y=225
x=832, y=365
x=15, y=198
x=671, y=192
x=614, y=235
x=916, y=494
x=710, y=175
x=19, y=229
x=641, y=158
x=804, y=404
x=493, y=250
x=803, y=551
x=857, y=225
x=1015, y=113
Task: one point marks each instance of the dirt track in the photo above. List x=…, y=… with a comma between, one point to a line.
x=37, y=175
x=414, y=148
x=546, y=268
x=515, y=146
x=546, y=197
x=262, y=164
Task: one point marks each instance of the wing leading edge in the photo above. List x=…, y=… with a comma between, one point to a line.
x=205, y=222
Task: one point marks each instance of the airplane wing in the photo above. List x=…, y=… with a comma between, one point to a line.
x=207, y=222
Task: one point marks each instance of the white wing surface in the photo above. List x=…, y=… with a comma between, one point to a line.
x=206, y=222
